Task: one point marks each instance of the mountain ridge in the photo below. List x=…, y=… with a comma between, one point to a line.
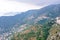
x=7, y=23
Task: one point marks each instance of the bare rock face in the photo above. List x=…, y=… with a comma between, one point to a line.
x=54, y=33
x=58, y=20
x=54, y=37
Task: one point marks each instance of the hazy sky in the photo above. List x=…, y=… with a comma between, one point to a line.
x=39, y=2
x=7, y=6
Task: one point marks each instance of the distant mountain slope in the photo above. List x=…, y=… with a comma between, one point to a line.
x=48, y=31
x=34, y=32
x=29, y=17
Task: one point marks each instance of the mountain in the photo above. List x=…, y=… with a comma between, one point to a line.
x=48, y=31
x=43, y=25
x=40, y=16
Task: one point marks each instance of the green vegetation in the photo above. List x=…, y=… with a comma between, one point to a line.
x=35, y=32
